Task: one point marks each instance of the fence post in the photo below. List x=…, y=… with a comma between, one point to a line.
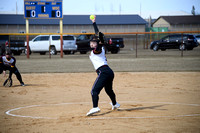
x=136, y=47
x=144, y=42
x=150, y=37
x=61, y=38
x=182, y=45
x=147, y=41
x=49, y=47
x=27, y=37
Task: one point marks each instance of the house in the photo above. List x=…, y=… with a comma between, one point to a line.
x=12, y=23
x=178, y=23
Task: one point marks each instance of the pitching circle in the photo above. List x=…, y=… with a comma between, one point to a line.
x=100, y=118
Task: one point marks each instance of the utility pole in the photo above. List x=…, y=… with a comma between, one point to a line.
x=140, y=9
x=16, y=7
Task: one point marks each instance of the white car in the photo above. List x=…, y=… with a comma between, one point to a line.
x=198, y=38
x=51, y=43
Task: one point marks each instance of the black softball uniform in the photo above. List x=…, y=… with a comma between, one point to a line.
x=9, y=64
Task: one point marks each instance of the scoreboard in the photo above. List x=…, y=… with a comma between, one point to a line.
x=42, y=9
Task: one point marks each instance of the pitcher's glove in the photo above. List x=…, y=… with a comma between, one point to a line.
x=8, y=82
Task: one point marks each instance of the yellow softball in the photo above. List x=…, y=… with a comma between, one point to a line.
x=91, y=17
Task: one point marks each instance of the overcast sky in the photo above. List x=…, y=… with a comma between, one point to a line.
x=145, y=8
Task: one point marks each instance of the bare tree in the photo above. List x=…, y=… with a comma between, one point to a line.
x=193, y=10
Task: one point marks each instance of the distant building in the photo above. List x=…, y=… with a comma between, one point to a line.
x=178, y=23
x=73, y=24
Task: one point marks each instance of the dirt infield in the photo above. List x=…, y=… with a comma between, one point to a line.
x=159, y=92
x=151, y=102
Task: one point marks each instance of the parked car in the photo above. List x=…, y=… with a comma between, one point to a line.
x=3, y=40
x=112, y=44
x=175, y=41
x=51, y=43
x=15, y=46
x=83, y=43
x=198, y=38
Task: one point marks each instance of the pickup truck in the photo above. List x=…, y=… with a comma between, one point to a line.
x=51, y=43
x=15, y=46
x=112, y=44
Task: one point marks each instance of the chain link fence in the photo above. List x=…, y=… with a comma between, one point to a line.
x=137, y=44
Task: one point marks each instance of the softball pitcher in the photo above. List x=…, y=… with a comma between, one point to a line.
x=104, y=72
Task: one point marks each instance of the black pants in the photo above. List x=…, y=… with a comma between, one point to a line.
x=104, y=79
x=12, y=70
